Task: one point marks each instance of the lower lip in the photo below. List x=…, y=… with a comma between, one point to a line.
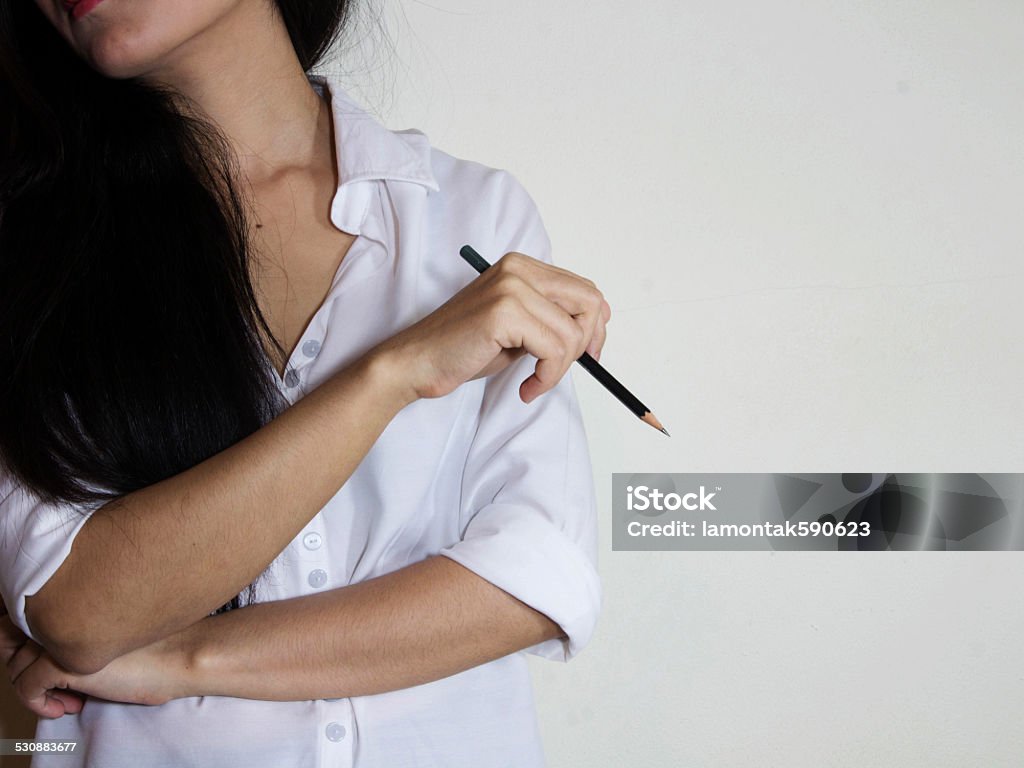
x=82, y=7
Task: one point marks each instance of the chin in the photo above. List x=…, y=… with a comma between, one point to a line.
x=121, y=52
x=127, y=39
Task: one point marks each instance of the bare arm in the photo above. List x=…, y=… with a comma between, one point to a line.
x=156, y=561
x=425, y=621
x=418, y=624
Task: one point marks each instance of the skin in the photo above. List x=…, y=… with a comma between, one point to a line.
x=115, y=624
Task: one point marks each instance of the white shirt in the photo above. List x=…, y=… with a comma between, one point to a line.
x=502, y=487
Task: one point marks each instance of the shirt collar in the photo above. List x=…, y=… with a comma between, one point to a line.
x=366, y=149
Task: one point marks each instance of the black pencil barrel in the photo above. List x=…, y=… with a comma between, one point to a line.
x=613, y=385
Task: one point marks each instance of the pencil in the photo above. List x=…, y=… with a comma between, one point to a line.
x=610, y=383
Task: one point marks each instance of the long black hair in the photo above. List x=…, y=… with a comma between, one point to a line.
x=131, y=340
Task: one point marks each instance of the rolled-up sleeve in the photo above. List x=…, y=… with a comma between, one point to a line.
x=528, y=498
x=35, y=539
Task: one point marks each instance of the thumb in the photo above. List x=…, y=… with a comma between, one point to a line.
x=72, y=700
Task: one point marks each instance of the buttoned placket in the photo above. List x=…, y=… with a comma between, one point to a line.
x=364, y=257
x=337, y=734
x=336, y=725
x=338, y=728
x=368, y=253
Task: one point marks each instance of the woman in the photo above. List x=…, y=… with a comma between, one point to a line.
x=239, y=347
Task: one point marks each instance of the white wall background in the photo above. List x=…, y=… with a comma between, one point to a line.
x=807, y=219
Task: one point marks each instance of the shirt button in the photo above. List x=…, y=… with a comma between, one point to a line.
x=310, y=348
x=335, y=731
x=317, y=578
x=291, y=378
x=312, y=540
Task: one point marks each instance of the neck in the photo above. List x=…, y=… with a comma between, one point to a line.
x=242, y=73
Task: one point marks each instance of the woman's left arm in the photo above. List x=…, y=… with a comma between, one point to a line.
x=425, y=621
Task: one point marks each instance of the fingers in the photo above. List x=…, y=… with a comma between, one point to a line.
x=596, y=331
x=597, y=341
x=11, y=638
x=522, y=305
x=37, y=682
x=20, y=653
x=577, y=295
x=35, y=685
x=547, y=332
x=46, y=706
x=523, y=258
x=21, y=659
x=600, y=332
x=516, y=326
x=31, y=695
x=71, y=701
x=571, y=312
x=573, y=293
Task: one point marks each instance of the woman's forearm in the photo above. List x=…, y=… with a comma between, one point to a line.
x=156, y=561
x=420, y=623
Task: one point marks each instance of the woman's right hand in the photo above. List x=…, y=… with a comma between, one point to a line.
x=518, y=305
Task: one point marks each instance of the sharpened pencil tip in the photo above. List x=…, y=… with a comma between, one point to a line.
x=651, y=419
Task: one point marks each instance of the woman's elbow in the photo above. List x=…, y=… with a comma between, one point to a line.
x=71, y=642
